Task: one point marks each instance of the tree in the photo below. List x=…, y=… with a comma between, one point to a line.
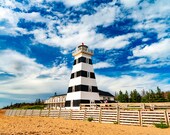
x=135, y=96
x=120, y=97
x=159, y=95
x=145, y=98
x=126, y=97
x=168, y=96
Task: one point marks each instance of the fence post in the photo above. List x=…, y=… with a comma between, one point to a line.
x=19, y=113
x=100, y=115
x=118, y=114
x=48, y=112
x=140, y=118
x=166, y=117
x=25, y=112
x=40, y=112
x=15, y=112
x=70, y=114
x=85, y=111
x=32, y=113
x=11, y=112
x=59, y=112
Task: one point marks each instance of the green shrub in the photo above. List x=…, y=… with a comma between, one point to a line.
x=161, y=125
x=90, y=119
x=115, y=122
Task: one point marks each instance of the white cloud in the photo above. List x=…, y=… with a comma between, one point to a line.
x=101, y=17
x=140, y=61
x=144, y=63
x=69, y=2
x=73, y=2
x=127, y=82
x=33, y=17
x=129, y=3
x=11, y=4
x=18, y=64
x=159, y=50
x=73, y=34
x=154, y=55
x=31, y=77
x=100, y=65
x=152, y=17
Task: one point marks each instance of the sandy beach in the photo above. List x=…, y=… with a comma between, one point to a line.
x=58, y=126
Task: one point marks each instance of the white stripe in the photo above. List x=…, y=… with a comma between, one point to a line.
x=82, y=95
x=82, y=80
x=82, y=66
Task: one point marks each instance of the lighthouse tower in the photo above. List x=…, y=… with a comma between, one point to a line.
x=82, y=85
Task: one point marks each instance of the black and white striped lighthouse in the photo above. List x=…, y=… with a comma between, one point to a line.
x=82, y=85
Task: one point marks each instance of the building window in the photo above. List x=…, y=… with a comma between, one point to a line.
x=78, y=102
x=90, y=61
x=72, y=75
x=82, y=73
x=67, y=103
x=74, y=62
x=81, y=88
x=82, y=59
x=92, y=75
x=94, y=89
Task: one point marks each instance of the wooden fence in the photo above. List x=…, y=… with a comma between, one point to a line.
x=128, y=106
x=140, y=118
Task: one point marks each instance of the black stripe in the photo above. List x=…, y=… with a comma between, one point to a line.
x=83, y=74
x=82, y=88
x=81, y=101
x=76, y=103
x=82, y=59
x=67, y=103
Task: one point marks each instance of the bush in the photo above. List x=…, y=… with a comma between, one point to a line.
x=90, y=119
x=115, y=122
x=161, y=125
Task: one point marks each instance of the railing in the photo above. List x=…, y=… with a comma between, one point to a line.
x=124, y=117
x=82, y=50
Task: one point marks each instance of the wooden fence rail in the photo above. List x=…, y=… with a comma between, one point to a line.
x=139, y=118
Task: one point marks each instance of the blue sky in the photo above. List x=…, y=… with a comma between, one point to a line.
x=130, y=39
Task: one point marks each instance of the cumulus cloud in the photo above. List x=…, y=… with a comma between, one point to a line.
x=126, y=82
x=15, y=63
x=73, y=2
x=151, y=17
x=159, y=50
x=129, y=3
x=100, y=65
x=154, y=55
x=73, y=34
x=31, y=77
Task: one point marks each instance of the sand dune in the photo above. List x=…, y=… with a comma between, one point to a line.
x=56, y=126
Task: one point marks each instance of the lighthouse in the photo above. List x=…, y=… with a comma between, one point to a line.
x=82, y=86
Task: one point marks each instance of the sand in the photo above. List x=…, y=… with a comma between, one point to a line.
x=58, y=126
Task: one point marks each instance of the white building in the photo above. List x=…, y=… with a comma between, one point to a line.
x=57, y=101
